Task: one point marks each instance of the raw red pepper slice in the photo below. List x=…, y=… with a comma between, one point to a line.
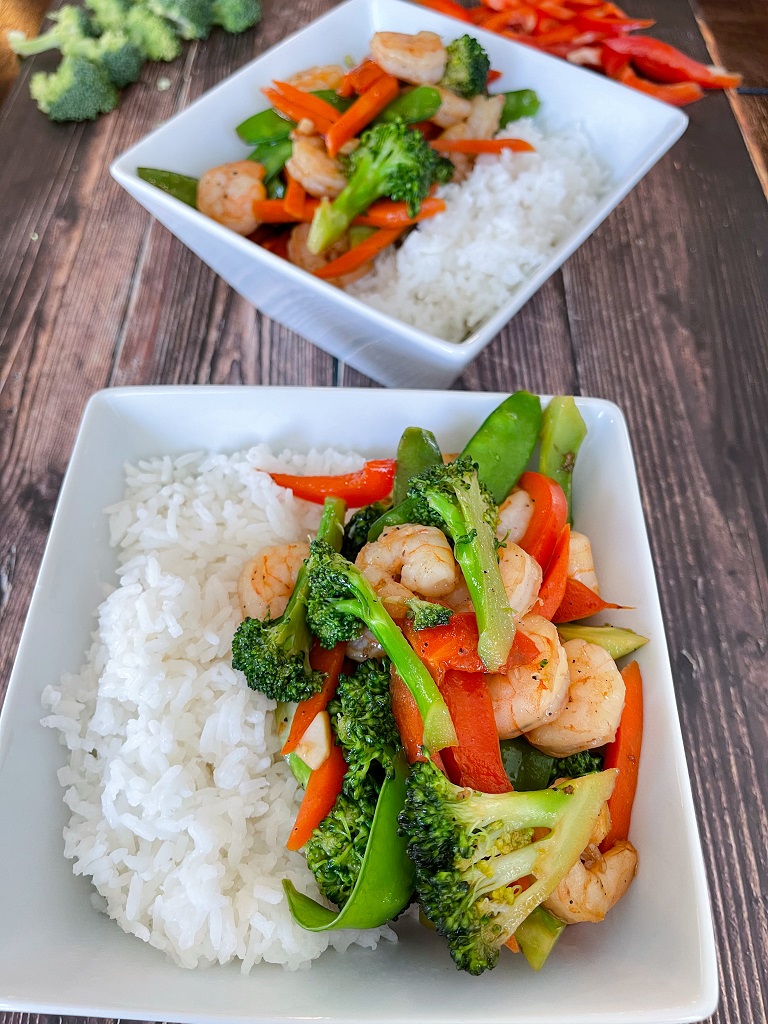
x=319, y=797
x=552, y=590
x=476, y=760
x=454, y=646
x=611, y=26
x=448, y=7
x=664, y=63
x=328, y=662
x=550, y=514
x=624, y=754
x=579, y=602
x=678, y=95
x=371, y=483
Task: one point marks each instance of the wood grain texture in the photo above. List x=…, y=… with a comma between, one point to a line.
x=663, y=310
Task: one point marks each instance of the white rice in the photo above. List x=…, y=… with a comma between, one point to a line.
x=181, y=803
x=457, y=269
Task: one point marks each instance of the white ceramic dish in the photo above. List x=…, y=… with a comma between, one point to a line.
x=629, y=133
x=652, y=960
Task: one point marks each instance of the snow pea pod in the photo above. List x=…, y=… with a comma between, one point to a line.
x=385, y=884
x=416, y=105
x=180, y=186
x=521, y=103
x=528, y=768
x=272, y=156
x=562, y=431
x=417, y=452
x=504, y=442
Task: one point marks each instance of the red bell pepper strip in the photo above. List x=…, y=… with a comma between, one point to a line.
x=610, y=26
x=678, y=95
x=579, y=602
x=329, y=663
x=664, y=63
x=624, y=754
x=409, y=723
x=371, y=483
x=476, y=760
x=552, y=590
x=454, y=646
x=550, y=514
x=319, y=797
x=448, y=7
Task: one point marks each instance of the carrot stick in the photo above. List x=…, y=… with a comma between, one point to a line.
x=355, y=257
x=481, y=145
x=328, y=662
x=314, y=104
x=624, y=754
x=362, y=112
x=322, y=789
x=389, y=214
x=360, y=78
x=295, y=198
x=272, y=211
x=295, y=111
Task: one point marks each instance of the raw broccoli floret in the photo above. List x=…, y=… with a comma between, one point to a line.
x=426, y=614
x=236, y=15
x=152, y=34
x=274, y=654
x=576, y=765
x=78, y=90
x=450, y=497
x=466, y=71
x=191, y=19
x=71, y=27
x=361, y=712
x=341, y=602
x=120, y=58
x=356, y=530
x=391, y=160
x=471, y=848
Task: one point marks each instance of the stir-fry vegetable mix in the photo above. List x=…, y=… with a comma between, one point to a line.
x=598, y=35
x=346, y=160
x=455, y=747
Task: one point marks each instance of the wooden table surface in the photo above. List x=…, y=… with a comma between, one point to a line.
x=663, y=311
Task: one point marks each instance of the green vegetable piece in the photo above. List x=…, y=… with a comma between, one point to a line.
x=358, y=525
x=427, y=614
x=417, y=452
x=272, y=157
x=180, y=186
x=266, y=126
x=299, y=769
x=521, y=103
x=503, y=444
x=528, y=768
x=416, y=105
x=78, y=90
x=537, y=936
x=276, y=188
x=235, y=16
x=617, y=641
x=583, y=762
x=467, y=67
x=340, y=103
x=385, y=884
x=563, y=429
x=396, y=516
x=191, y=19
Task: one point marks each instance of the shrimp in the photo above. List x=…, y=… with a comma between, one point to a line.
x=267, y=581
x=227, y=193
x=418, y=59
x=408, y=560
x=452, y=109
x=299, y=254
x=527, y=695
x=581, y=567
x=595, y=883
x=515, y=513
x=309, y=163
x=592, y=712
x=482, y=123
x=326, y=76
x=521, y=575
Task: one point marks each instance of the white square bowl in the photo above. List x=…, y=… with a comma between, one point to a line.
x=629, y=133
x=653, y=958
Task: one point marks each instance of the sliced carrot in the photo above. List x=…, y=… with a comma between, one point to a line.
x=360, y=78
x=481, y=145
x=552, y=590
x=355, y=257
x=329, y=663
x=579, y=602
x=295, y=198
x=624, y=754
x=361, y=113
x=389, y=214
x=512, y=944
x=272, y=211
x=296, y=111
x=319, y=797
x=314, y=104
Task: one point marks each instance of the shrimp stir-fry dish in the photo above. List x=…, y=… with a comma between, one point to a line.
x=464, y=741
x=347, y=160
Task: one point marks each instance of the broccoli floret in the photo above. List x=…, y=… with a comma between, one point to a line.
x=471, y=848
x=336, y=848
x=391, y=160
x=236, y=15
x=274, y=654
x=191, y=19
x=466, y=71
x=109, y=15
x=78, y=90
x=361, y=712
x=451, y=498
x=152, y=34
x=356, y=530
x=342, y=601
x=71, y=27
x=576, y=765
x=426, y=614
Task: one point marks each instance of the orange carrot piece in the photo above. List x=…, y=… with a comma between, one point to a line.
x=295, y=198
x=361, y=113
x=360, y=78
x=624, y=754
x=481, y=145
x=388, y=214
x=359, y=254
x=273, y=211
x=295, y=111
x=314, y=104
x=322, y=789
x=329, y=663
